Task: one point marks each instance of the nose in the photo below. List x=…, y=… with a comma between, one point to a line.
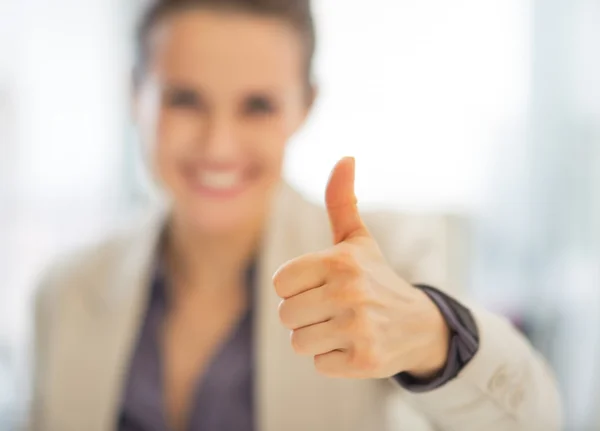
x=220, y=143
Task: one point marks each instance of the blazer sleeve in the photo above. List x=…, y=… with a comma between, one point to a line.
x=507, y=385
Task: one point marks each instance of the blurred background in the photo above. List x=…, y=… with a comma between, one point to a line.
x=488, y=110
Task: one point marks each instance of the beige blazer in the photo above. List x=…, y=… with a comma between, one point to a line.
x=89, y=310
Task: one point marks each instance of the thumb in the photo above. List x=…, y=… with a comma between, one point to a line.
x=340, y=201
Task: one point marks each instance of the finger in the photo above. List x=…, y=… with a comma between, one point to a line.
x=305, y=309
x=300, y=274
x=341, y=202
x=318, y=339
x=334, y=364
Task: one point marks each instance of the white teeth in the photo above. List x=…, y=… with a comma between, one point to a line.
x=218, y=180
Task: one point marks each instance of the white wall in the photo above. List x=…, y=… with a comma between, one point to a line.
x=63, y=71
x=418, y=92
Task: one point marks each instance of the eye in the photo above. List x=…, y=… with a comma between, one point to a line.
x=183, y=98
x=259, y=105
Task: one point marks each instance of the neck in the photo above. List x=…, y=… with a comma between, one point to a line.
x=210, y=261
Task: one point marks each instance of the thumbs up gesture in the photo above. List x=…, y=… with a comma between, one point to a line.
x=347, y=307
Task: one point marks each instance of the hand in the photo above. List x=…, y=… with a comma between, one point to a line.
x=349, y=309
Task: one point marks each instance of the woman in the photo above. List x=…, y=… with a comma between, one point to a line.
x=184, y=323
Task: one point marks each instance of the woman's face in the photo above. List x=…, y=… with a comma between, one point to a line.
x=222, y=95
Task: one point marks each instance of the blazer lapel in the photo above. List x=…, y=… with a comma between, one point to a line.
x=270, y=354
x=114, y=316
x=287, y=387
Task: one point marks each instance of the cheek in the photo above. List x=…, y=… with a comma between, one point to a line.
x=175, y=135
x=267, y=140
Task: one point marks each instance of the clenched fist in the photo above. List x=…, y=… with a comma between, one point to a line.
x=349, y=309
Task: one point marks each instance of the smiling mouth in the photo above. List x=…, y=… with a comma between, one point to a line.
x=221, y=180
x=216, y=182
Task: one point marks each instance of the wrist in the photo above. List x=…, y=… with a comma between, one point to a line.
x=433, y=357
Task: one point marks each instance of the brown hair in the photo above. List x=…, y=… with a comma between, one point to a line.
x=297, y=13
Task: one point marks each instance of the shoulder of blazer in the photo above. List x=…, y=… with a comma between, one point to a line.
x=93, y=270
